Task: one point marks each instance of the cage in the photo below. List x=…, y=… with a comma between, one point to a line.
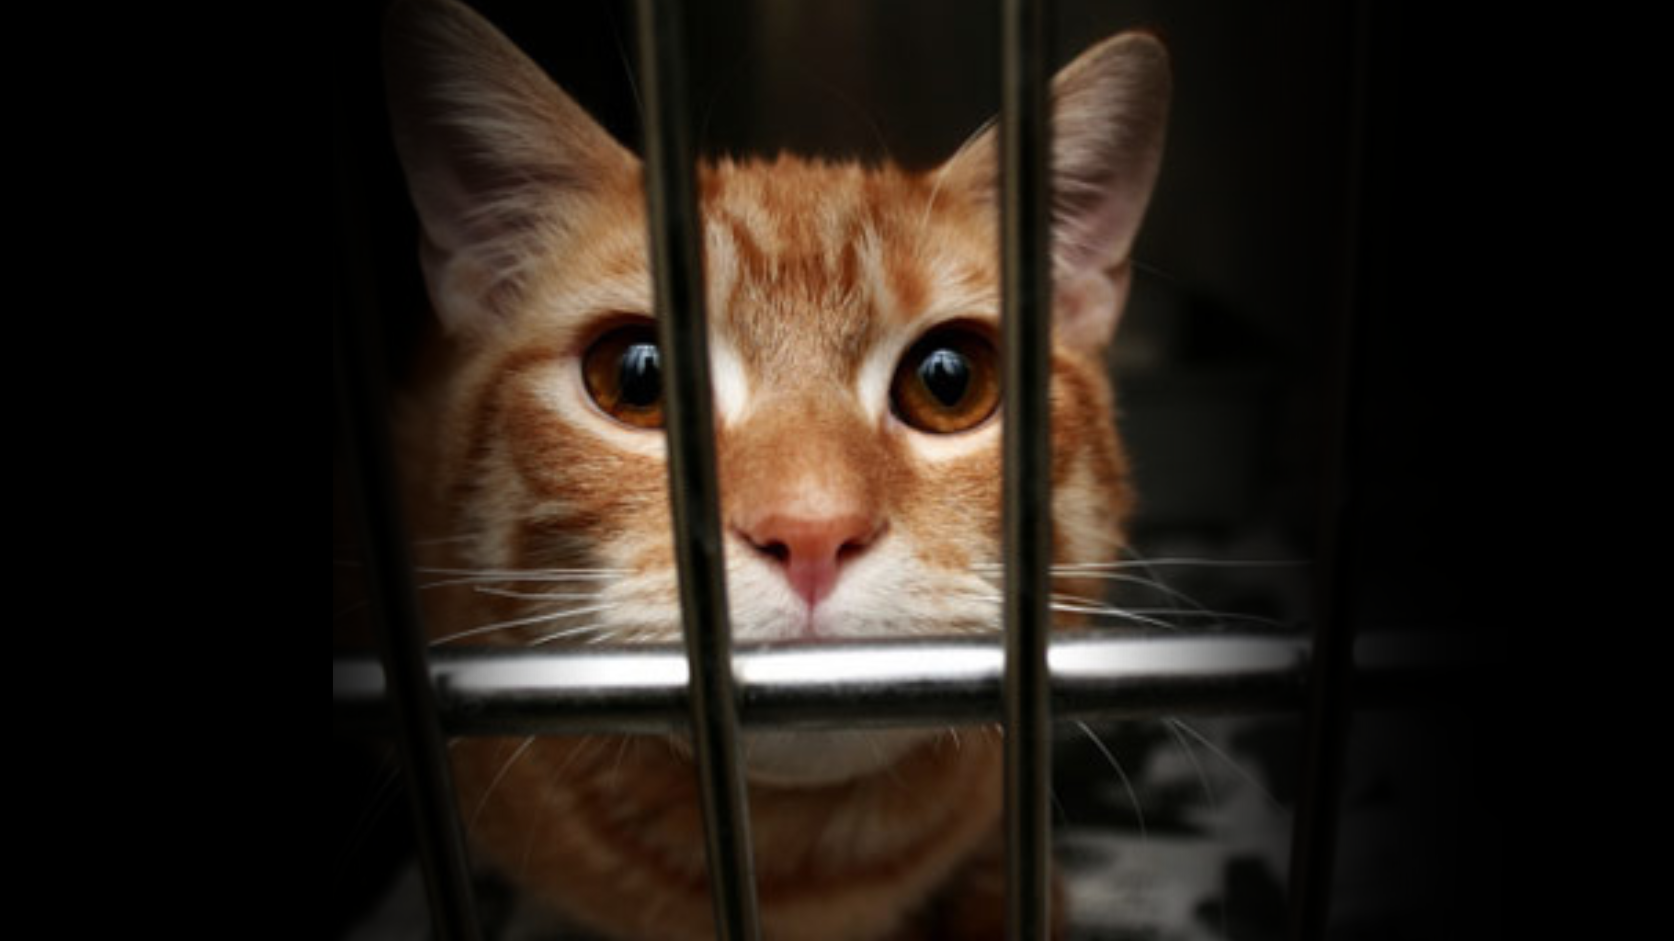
x=1294, y=757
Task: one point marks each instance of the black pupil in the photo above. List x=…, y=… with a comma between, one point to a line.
x=946, y=375
x=641, y=373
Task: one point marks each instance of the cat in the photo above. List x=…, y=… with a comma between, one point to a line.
x=854, y=337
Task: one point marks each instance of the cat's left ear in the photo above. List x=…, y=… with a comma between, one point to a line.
x=1109, y=115
x=499, y=161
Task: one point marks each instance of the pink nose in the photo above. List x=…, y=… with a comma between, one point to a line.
x=812, y=550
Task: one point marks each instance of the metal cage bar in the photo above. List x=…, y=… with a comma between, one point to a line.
x=1026, y=319
x=677, y=275
x=359, y=377
x=1328, y=713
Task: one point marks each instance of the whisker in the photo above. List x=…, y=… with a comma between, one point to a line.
x=525, y=575
x=1242, y=772
x=891, y=768
x=533, y=596
x=374, y=806
x=530, y=842
x=1173, y=726
x=558, y=582
x=522, y=622
x=1186, y=605
x=625, y=741
x=1143, y=582
x=1178, y=561
x=1195, y=611
x=1085, y=606
x=1156, y=272
x=498, y=777
x=602, y=628
x=1108, y=611
x=964, y=150
x=1222, y=617
x=1127, y=784
x=514, y=579
x=582, y=574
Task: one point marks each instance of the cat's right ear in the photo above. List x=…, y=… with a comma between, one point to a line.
x=496, y=156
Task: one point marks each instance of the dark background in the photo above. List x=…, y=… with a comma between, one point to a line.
x=1301, y=370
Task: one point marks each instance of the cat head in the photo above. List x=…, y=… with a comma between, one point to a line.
x=854, y=336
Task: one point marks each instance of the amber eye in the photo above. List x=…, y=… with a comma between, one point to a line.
x=624, y=374
x=949, y=381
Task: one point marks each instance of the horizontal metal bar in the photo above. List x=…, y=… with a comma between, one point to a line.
x=493, y=691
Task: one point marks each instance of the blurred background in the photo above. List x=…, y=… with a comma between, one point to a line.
x=1296, y=374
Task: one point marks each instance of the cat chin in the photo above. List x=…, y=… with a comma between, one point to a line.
x=817, y=759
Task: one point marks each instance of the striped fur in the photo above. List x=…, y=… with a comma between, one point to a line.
x=550, y=518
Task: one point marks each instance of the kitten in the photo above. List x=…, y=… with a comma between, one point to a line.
x=854, y=342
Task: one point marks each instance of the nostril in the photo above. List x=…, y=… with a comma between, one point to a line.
x=812, y=550
x=860, y=543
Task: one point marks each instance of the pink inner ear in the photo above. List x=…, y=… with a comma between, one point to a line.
x=1087, y=304
x=1095, y=219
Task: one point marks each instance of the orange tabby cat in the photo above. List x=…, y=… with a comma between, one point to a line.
x=854, y=326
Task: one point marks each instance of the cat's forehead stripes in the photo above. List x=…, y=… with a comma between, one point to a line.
x=815, y=268
x=833, y=235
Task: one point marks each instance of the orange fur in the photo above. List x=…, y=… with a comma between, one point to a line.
x=820, y=277
x=609, y=831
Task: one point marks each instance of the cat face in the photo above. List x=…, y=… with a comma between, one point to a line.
x=854, y=337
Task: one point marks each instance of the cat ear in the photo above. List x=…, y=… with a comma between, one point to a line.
x=496, y=156
x=1109, y=113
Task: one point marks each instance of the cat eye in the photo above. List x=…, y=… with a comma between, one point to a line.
x=948, y=382
x=623, y=370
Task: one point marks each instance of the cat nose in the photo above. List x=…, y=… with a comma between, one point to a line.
x=812, y=550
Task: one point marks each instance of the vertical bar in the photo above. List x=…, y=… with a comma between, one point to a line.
x=1330, y=694
x=1026, y=280
x=677, y=268
x=419, y=740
